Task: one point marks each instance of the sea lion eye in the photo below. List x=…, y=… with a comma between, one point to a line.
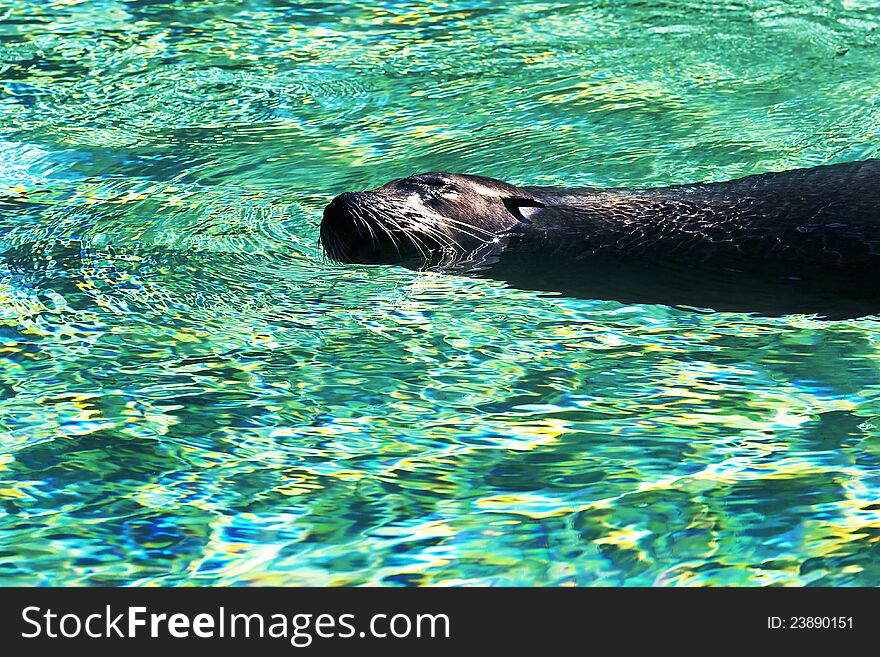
x=432, y=180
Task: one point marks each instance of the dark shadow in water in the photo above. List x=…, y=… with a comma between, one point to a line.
x=828, y=294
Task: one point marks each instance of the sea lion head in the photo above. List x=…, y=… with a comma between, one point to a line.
x=430, y=219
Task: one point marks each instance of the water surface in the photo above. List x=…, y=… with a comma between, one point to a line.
x=191, y=394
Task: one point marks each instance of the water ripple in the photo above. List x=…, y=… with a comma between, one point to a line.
x=191, y=394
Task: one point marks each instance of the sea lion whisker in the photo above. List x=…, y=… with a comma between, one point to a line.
x=445, y=239
x=456, y=222
x=433, y=231
x=469, y=229
x=381, y=224
x=394, y=240
x=420, y=246
x=339, y=248
x=373, y=235
x=411, y=236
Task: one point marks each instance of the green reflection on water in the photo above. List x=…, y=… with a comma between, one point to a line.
x=191, y=394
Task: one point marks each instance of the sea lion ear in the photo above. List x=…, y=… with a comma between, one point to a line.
x=522, y=208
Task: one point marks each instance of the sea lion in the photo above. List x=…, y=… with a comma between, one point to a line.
x=804, y=240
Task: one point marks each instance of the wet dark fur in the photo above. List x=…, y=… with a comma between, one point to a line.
x=806, y=240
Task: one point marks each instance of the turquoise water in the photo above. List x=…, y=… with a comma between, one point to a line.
x=191, y=394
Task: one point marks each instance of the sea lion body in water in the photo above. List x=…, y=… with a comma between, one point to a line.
x=806, y=240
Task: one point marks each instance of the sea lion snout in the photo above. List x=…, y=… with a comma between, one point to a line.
x=375, y=227
x=421, y=220
x=342, y=207
x=343, y=229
